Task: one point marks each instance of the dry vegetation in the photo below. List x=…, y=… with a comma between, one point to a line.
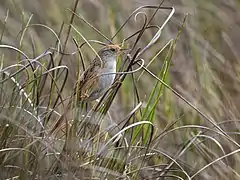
x=176, y=117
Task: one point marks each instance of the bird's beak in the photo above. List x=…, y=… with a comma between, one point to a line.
x=123, y=50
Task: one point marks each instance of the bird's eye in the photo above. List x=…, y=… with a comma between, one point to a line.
x=113, y=50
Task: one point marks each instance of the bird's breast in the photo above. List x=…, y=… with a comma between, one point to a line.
x=108, y=74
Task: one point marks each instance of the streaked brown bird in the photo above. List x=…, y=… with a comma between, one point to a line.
x=99, y=76
x=96, y=79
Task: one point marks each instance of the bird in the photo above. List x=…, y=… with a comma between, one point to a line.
x=99, y=76
x=95, y=80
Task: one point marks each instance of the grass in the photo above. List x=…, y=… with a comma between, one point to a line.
x=172, y=112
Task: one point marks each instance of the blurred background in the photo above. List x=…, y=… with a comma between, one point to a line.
x=204, y=69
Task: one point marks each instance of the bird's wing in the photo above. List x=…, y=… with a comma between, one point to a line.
x=88, y=82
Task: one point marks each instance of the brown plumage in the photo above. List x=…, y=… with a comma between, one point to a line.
x=95, y=80
x=99, y=76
